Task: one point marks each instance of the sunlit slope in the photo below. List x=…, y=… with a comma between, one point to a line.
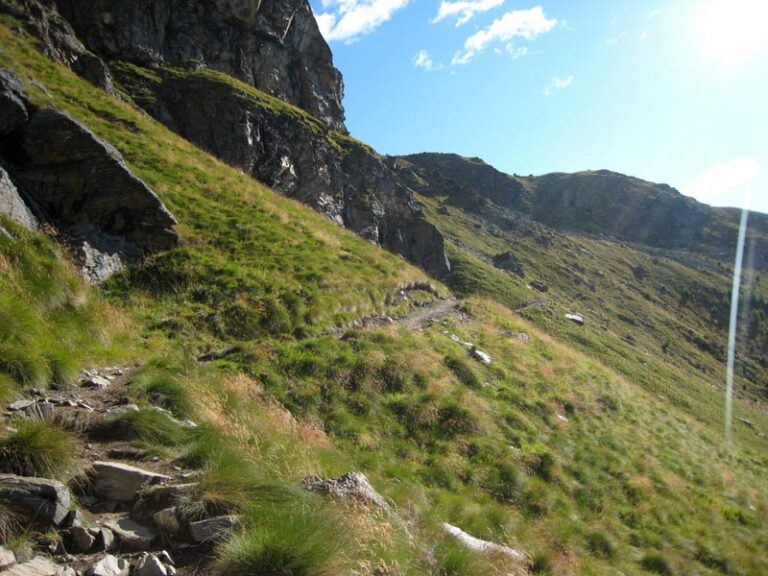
x=561, y=446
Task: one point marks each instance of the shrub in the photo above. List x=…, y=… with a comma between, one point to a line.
x=38, y=448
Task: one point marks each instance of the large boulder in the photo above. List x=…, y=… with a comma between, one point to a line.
x=84, y=186
x=39, y=499
x=116, y=482
x=13, y=108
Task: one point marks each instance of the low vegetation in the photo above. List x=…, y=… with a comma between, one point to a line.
x=38, y=448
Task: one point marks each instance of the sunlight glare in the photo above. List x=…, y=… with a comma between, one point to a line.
x=732, y=31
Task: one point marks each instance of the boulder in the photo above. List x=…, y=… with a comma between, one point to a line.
x=109, y=566
x=7, y=558
x=39, y=566
x=132, y=535
x=150, y=565
x=350, y=486
x=105, y=539
x=118, y=482
x=38, y=498
x=212, y=529
x=168, y=521
x=11, y=203
x=481, y=356
x=80, y=539
x=475, y=544
x=508, y=261
x=82, y=185
x=13, y=109
x=539, y=286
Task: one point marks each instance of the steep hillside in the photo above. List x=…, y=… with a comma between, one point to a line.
x=271, y=349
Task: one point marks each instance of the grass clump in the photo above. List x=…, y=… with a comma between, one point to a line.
x=280, y=542
x=38, y=448
x=148, y=428
x=160, y=383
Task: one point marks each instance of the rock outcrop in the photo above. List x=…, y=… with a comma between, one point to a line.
x=273, y=45
x=39, y=499
x=60, y=172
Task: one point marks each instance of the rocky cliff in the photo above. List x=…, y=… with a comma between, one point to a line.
x=273, y=45
x=593, y=202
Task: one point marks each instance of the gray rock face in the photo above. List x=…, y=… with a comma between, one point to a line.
x=82, y=183
x=13, y=109
x=118, y=482
x=57, y=39
x=38, y=498
x=294, y=154
x=273, y=45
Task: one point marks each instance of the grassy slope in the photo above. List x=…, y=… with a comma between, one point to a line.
x=545, y=449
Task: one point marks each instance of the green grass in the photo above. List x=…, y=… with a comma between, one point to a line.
x=560, y=447
x=38, y=448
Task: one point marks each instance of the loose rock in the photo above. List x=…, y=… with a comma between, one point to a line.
x=109, y=566
x=352, y=486
x=7, y=558
x=120, y=482
x=81, y=540
x=38, y=498
x=482, y=546
x=212, y=529
x=131, y=534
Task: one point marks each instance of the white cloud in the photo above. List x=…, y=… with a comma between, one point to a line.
x=347, y=20
x=643, y=36
x=517, y=52
x=557, y=84
x=724, y=184
x=423, y=60
x=527, y=24
x=464, y=10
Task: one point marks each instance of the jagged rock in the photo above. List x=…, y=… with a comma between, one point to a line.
x=351, y=486
x=274, y=45
x=20, y=405
x=575, y=318
x=81, y=540
x=83, y=186
x=74, y=518
x=11, y=203
x=508, y=261
x=38, y=498
x=105, y=539
x=13, y=109
x=109, y=566
x=212, y=529
x=121, y=482
x=150, y=565
x=132, y=535
x=96, y=382
x=39, y=566
x=58, y=40
x=482, y=546
x=167, y=520
x=7, y=558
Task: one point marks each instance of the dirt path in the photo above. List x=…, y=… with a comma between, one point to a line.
x=420, y=318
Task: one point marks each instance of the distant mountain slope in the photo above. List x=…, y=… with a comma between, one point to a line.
x=597, y=202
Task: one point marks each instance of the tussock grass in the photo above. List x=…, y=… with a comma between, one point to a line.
x=38, y=448
x=147, y=428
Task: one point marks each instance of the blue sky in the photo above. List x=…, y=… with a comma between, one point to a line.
x=671, y=92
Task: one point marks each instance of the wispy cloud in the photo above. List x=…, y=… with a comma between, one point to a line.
x=723, y=184
x=347, y=20
x=464, y=10
x=423, y=60
x=517, y=52
x=527, y=24
x=556, y=84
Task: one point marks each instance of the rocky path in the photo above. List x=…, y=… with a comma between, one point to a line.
x=422, y=317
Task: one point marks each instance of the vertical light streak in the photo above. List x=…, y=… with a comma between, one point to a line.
x=735, y=293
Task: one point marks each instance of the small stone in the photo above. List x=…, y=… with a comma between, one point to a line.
x=96, y=382
x=109, y=566
x=481, y=356
x=150, y=565
x=81, y=540
x=575, y=318
x=212, y=529
x=20, y=405
x=117, y=411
